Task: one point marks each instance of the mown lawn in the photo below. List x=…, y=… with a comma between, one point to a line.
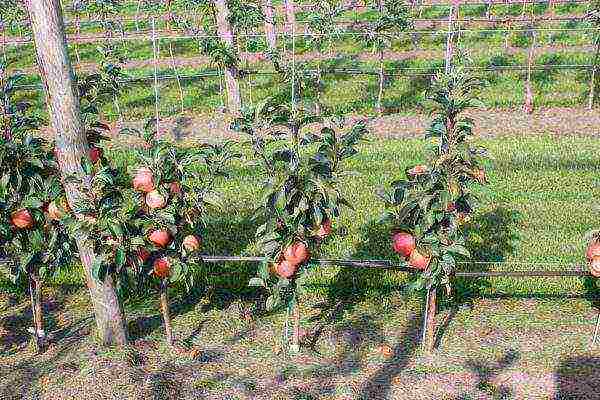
x=500, y=338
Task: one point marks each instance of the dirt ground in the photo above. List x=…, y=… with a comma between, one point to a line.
x=493, y=349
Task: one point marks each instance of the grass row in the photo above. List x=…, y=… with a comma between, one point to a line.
x=347, y=93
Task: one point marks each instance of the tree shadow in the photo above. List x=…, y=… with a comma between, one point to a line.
x=352, y=286
x=19, y=381
x=380, y=383
x=491, y=237
x=577, y=378
x=486, y=373
x=219, y=286
x=16, y=325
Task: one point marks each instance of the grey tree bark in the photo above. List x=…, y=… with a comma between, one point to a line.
x=231, y=71
x=290, y=13
x=270, y=30
x=71, y=145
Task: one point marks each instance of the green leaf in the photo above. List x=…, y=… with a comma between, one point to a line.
x=120, y=257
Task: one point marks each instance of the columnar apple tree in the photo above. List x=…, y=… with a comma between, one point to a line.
x=32, y=202
x=302, y=196
x=392, y=18
x=429, y=206
x=175, y=188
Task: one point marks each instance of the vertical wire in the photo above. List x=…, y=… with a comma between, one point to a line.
x=293, y=68
x=154, y=50
x=175, y=70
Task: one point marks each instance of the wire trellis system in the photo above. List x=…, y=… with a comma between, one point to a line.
x=495, y=20
x=426, y=72
x=147, y=36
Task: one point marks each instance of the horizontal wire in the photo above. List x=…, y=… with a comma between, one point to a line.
x=426, y=72
x=147, y=35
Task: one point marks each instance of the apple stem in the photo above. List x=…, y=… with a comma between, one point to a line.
x=164, y=307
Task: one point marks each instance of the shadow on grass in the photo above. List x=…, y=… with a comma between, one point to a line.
x=16, y=325
x=491, y=237
x=577, y=378
x=218, y=286
x=20, y=380
x=380, y=383
x=487, y=372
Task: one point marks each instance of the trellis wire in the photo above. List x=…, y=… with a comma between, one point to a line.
x=156, y=98
x=137, y=15
x=444, y=32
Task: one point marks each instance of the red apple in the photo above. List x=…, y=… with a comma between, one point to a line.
x=160, y=237
x=95, y=153
x=403, y=243
x=175, y=188
x=286, y=269
x=595, y=266
x=324, y=229
x=22, y=219
x=155, y=200
x=593, y=250
x=418, y=260
x=162, y=268
x=143, y=181
x=191, y=243
x=297, y=253
x=418, y=170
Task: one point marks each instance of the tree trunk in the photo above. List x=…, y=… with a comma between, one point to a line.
x=295, y=347
x=430, y=320
x=35, y=291
x=450, y=38
x=290, y=14
x=164, y=309
x=381, y=84
x=231, y=71
x=270, y=30
x=592, y=94
x=71, y=145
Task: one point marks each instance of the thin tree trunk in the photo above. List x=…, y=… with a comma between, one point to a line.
x=450, y=38
x=319, y=80
x=71, y=145
x=270, y=29
x=381, y=84
x=164, y=309
x=290, y=14
x=430, y=321
x=381, y=75
x=593, y=77
x=35, y=292
x=231, y=71
x=295, y=348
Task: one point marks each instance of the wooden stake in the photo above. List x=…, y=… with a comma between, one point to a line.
x=164, y=308
x=430, y=313
x=47, y=28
